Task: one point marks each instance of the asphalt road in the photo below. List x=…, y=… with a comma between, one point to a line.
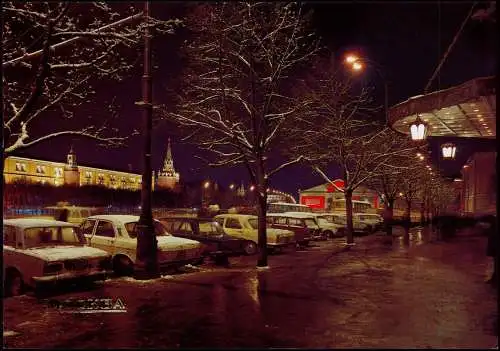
x=379, y=293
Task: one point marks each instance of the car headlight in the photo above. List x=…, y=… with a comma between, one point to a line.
x=52, y=268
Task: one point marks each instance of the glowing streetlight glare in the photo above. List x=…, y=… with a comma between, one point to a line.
x=351, y=59
x=422, y=157
x=357, y=66
x=231, y=186
x=419, y=154
x=252, y=188
x=206, y=185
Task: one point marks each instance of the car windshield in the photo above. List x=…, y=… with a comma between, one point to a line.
x=50, y=236
x=160, y=229
x=310, y=222
x=210, y=228
x=253, y=223
x=323, y=221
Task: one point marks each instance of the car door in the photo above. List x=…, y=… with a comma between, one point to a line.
x=233, y=227
x=87, y=230
x=104, y=236
x=210, y=235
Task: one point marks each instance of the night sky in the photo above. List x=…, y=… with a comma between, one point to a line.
x=406, y=38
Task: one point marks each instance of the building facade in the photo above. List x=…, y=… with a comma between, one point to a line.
x=479, y=184
x=28, y=170
x=168, y=178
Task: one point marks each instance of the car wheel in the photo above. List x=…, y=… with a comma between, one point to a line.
x=250, y=248
x=328, y=234
x=14, y=284
x=123, y=266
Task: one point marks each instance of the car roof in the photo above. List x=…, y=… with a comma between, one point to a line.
x=284, y=214
x=116, y=218
x=188, y=218
x=299, y=214
x=235, y=215
x=36, y=222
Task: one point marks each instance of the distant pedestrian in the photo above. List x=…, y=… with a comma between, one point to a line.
x=492, y=249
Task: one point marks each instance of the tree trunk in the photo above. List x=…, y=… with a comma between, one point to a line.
x=262, y=211
x=348, y=209
x=422, y=212
x=389, y=215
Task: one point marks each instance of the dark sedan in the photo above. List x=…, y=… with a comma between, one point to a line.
x=217, y=244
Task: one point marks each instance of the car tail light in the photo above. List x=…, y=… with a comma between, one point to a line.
x=52, y=268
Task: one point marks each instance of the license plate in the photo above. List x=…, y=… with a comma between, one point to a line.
x=181, y=255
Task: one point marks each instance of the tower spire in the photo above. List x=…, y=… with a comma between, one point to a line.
x=169, y=151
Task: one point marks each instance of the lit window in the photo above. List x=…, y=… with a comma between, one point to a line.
x=40, y=169
x=58, y=172
x=88, y=174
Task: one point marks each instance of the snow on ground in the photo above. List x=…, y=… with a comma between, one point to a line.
x=9, y=333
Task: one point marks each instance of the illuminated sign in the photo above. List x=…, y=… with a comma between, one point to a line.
x=313, y=201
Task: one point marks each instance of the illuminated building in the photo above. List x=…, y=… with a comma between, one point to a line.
x=168, y=178
x=464, y=111
x=29, y=170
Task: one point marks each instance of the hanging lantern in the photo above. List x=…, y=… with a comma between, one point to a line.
x=418, y=129
x=449, y=150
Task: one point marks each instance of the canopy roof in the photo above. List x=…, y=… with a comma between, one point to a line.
x=467, y=110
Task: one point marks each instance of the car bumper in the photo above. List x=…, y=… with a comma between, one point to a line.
x=274, y=245
x=71, y=277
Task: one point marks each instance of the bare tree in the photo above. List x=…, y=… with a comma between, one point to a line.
x=235, y=98
x=389, y=179
x=338, y=127
x=54, y=54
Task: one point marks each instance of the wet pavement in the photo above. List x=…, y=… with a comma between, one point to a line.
x=383, y=292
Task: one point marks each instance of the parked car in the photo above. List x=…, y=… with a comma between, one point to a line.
x=327, y=229
x=117, y=234
x=38, y=252
x=340, y=220
x=304, y=229
x=217, y=244
x=372, y=220
x=245, y=227
x=73, y=214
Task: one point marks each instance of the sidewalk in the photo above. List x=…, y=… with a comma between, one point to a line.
x=428, y=294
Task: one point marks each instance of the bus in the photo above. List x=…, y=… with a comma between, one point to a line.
x=281, y=207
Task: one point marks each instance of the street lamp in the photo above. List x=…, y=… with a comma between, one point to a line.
x=418, y=129
x=357, y=64
x=449, y=150
x=252, y=188
x=231, y=186
x=206, y=185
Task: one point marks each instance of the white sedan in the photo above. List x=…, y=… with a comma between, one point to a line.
x=42, y=251
x=117, y=234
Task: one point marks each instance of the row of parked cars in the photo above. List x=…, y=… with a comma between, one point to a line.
x=38, y=252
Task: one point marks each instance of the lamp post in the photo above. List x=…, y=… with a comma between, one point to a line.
x=204, y=190
x=147, y=245
x=357, y=64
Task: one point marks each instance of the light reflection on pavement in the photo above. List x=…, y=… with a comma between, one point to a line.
x=382, y=292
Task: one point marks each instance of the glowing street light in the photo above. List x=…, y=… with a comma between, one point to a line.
x=357, y=66
x=231, y=186
x=351, y=59
x=449, y=150
x=206, y=185
x=418, y=130
x=252, y=187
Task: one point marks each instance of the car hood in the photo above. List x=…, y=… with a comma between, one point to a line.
x=176, y=243
x=61, y=253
